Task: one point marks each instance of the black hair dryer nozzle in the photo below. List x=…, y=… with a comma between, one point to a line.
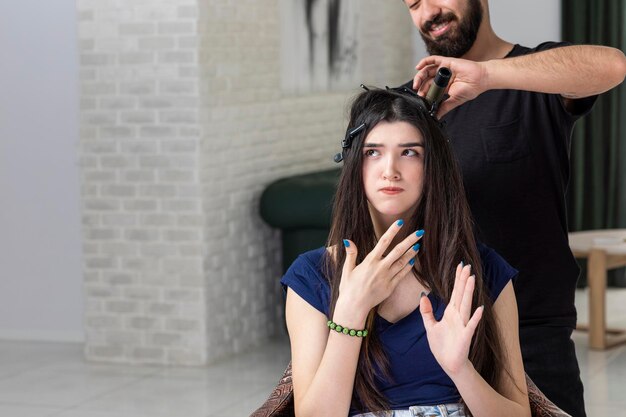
x=438, y=87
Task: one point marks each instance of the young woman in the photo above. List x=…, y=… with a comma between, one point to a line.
x=402, y=311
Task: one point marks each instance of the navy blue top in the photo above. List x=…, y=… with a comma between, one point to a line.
x=417, y=377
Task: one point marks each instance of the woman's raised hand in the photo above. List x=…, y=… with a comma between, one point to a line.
x=373, y=280
x=450, y=338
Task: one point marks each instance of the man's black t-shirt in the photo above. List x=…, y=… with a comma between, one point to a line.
x=513, y=148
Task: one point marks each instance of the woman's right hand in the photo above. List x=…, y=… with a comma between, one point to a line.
x=366, y=285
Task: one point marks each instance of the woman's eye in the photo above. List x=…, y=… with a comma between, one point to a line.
x=409, y=152
x=372, y=152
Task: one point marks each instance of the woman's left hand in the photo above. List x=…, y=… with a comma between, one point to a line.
x=450, y=338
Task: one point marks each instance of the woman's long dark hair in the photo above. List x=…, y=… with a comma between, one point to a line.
x=449, y=239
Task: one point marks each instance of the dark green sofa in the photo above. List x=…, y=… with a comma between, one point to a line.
x=300, y=206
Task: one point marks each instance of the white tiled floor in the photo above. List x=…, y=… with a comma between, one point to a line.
x=603, y=372
x=46, y=379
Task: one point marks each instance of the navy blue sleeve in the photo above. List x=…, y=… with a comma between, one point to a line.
x=497, y=272
x=305, y=278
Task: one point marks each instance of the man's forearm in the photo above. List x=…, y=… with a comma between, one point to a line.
x=571, y=71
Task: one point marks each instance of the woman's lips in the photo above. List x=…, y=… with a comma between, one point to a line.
x=391, y=190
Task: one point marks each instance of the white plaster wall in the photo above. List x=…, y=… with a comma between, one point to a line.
x=528, y=22
x=40, y=255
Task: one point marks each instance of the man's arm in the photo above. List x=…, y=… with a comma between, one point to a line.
x=571, y=71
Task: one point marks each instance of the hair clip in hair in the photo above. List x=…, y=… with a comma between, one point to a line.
x=435, y=108
x=435, y=95
x=422, y=103
x=428, y=105
x=347, y=141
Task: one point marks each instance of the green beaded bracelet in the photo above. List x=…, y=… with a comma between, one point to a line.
x=350, y=332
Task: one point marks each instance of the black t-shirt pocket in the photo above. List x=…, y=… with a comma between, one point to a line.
x=505, y=142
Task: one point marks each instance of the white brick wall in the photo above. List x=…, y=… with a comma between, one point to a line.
x=142, y=209
x=183, y=124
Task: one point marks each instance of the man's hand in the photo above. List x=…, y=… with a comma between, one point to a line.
x=553, y=71
x=469, y=80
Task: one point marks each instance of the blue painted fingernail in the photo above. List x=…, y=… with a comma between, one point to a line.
x=416, y=247
x=412, y=261
x=400, y=222
x=423, y=294
x=346, y=243
x=462, y=264
x=419, y=233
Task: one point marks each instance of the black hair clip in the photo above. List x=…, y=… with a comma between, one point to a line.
x=424, y=103
x=429, y=105
x=435, y=96
x=347, y=141
x=421, y=102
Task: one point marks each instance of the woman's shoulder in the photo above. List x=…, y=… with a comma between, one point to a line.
x=305, y=276
x=497, y=272
x=313, y=259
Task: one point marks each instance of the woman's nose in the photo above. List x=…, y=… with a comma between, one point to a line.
x=391, y=169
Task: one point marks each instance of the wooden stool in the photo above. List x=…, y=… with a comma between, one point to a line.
x=604, y=250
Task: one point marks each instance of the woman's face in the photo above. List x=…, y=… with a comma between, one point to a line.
x=393, y=170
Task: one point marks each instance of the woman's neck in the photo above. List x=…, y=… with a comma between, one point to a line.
x=383, y=222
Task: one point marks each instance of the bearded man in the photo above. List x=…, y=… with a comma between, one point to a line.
x=509, y=117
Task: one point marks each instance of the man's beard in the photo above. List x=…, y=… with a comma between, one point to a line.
x=454, y=43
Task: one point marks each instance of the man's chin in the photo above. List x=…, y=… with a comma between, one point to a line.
x=443, y=46
x=435, y=44
x=436, y=48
